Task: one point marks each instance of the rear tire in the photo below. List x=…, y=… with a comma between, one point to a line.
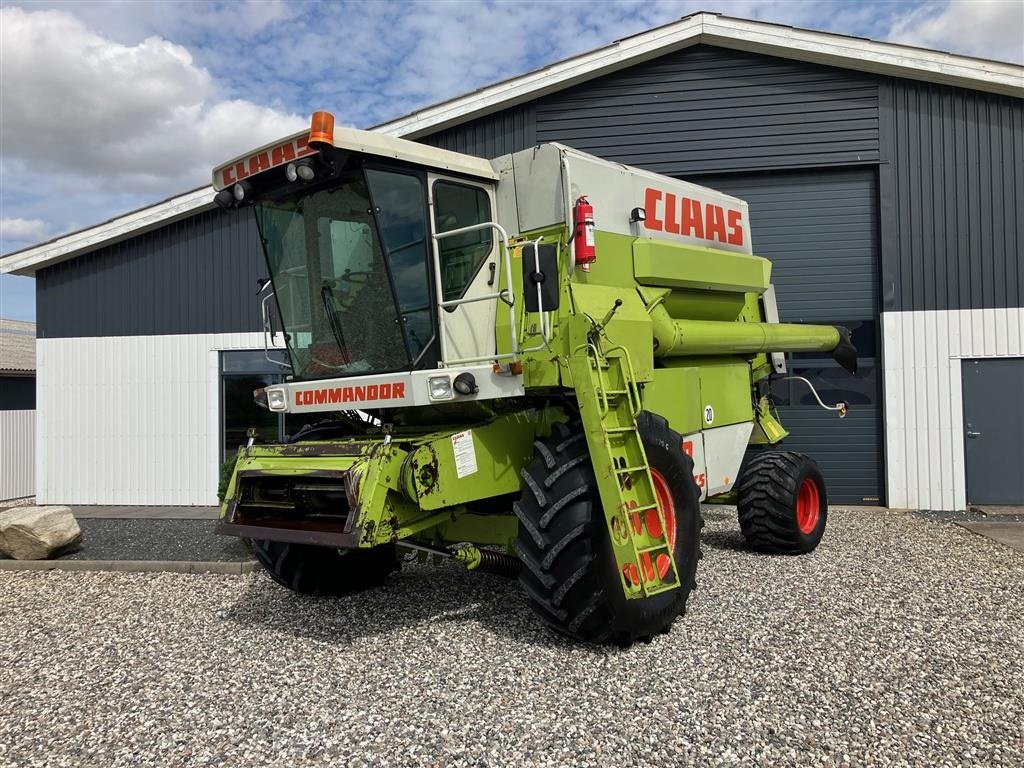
x=312, y=570
x=782, y=503
x=569, y=571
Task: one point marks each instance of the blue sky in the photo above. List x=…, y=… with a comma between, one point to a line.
x=110, y=106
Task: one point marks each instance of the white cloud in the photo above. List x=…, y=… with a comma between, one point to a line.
x=991, y=29
x=140, y=118
x=23, y=229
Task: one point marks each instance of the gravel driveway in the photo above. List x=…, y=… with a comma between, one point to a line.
x=899, y=642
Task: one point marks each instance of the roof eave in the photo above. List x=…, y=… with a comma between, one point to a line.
x=826, y=48
x=26, y=262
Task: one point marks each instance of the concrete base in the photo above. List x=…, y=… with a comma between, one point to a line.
x=145, y=513
x=1010, y=534
x=131, y=566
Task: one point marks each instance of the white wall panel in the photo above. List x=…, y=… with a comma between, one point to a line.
x=17, y=454
x=924, y=424
x=132, y=419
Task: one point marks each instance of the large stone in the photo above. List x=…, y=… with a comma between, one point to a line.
x=36, y=533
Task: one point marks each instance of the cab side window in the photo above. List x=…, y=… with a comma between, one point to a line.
x=457, y=206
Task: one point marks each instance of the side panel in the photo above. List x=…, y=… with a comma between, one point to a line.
x=675, y=394
x=723, y=451
x=717, y=455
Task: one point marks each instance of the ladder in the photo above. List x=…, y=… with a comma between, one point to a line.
x=609, y=402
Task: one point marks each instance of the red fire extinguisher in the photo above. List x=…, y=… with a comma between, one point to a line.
x=583, y=232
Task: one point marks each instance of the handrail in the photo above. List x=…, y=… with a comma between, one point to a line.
x=545, y=319
x=507, y=295
x=267, y=326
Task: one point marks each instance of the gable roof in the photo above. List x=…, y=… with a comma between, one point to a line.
x=17, y=347
x=825, y=48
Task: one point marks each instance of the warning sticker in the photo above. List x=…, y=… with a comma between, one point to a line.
x=465, y=453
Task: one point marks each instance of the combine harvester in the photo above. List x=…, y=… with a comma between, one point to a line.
x=537, y=365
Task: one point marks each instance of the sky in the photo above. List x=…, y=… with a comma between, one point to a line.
x=106, y=107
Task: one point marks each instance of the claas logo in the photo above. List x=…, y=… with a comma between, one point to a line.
x=265, y=160
x=692, y=218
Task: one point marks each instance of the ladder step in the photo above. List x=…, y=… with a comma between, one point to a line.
x=620, y=429
x=644, y=508
x=655, y=548
x=627, y=470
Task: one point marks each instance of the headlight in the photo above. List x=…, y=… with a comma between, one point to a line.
x=440, y=387
x=275, y=399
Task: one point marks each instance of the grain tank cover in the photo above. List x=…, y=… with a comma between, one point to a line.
x=540, y=185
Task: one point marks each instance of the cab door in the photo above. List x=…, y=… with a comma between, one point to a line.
x=469, y=266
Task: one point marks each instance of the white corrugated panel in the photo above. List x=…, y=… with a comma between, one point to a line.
x=17, y=454
x=131, y=419
x=924, y=425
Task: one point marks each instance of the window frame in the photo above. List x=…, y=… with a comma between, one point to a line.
x=421, y=174
x=488, y=195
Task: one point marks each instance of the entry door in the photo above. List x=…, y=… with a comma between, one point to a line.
x=469, y=265
x=994, y=430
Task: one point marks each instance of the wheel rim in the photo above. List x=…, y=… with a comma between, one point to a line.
x=667, y=505
x=808, y=506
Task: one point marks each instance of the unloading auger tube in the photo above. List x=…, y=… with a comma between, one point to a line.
x=681, y=338
x=565, y=437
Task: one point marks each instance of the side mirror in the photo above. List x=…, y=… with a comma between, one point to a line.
x=540, y=269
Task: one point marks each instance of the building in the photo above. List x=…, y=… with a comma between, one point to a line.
x=17, y=409
x=885, y=182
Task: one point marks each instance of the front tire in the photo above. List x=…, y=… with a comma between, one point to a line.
x=782, y=503
x=569, y=570
x=311, y=570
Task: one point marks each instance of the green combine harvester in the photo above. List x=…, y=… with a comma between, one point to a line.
x=538, y=366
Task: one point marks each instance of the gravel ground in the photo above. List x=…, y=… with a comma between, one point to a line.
x=899, y=642
x=104, y=539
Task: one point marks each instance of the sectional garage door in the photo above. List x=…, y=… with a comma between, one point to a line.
x=820, y=229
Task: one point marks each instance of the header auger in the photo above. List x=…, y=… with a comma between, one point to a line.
x=536, y=365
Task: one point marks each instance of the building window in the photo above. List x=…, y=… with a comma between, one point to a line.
x=241, y=372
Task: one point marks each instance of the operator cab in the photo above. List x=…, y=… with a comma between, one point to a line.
x=348, y=226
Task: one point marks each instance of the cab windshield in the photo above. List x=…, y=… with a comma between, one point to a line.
x=350, y=304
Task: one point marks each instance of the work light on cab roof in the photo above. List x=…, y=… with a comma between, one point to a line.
x=524, y=407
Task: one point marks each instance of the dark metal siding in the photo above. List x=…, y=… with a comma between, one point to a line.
x=17, y=393
x=709, y=109
x=499, y=134
x=820, y=229
x=197, y=275
x=952, y=187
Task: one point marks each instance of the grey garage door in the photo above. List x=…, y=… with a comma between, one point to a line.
x=820, y=229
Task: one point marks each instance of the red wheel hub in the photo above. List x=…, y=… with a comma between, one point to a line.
x=667, y=505
x=808, y=506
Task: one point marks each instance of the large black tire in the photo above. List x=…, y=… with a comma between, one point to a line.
x=569, y=572
x=782, y=503
x=312, y=570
